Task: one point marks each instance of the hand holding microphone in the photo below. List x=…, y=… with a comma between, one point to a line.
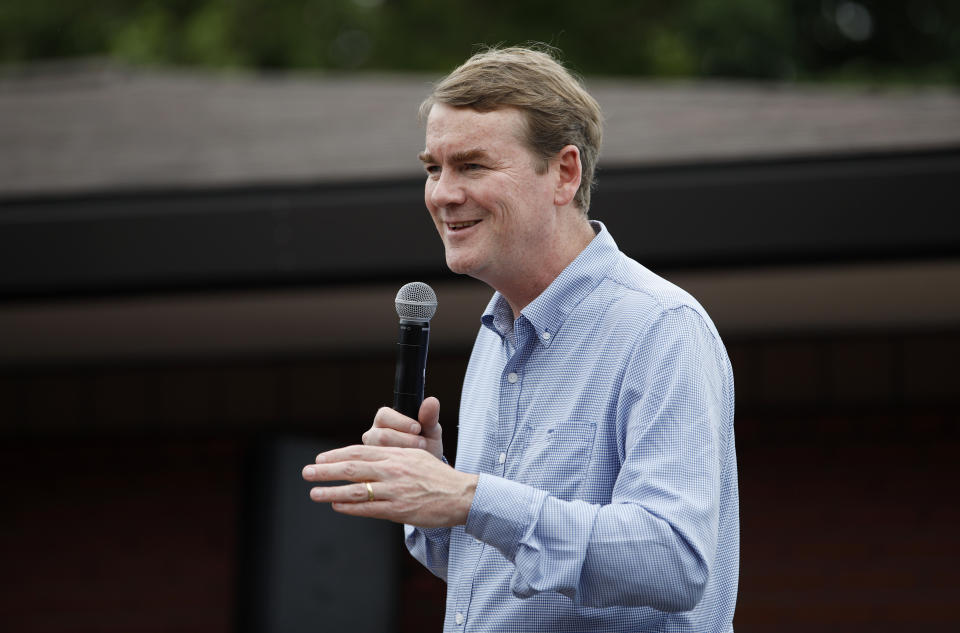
x=395, y=429
x=413, y=422
x=405, y=486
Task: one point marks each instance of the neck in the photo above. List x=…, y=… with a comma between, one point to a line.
x=525, y=286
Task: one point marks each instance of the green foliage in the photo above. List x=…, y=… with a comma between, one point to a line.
x=742, y=37
x=867, y=39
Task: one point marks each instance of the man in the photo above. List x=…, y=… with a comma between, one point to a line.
x=595, y=487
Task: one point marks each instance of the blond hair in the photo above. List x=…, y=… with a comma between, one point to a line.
x=557, y=109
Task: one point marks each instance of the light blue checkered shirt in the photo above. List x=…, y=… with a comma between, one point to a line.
x=601, y=425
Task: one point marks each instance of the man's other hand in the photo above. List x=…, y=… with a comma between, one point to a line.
x=405, y=485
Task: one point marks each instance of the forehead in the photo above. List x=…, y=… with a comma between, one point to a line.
x=451, y=129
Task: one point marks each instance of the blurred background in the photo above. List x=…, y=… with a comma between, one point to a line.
x=206, y=209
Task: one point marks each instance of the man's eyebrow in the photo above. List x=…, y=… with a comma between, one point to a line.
x=457, y=157
x=468, y=155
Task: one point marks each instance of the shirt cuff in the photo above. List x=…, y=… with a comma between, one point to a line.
x=503, y=513
x=433, y=534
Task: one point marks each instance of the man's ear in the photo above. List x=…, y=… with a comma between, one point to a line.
x=569, y=171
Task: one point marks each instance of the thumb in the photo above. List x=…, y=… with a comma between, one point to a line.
x=429, y=417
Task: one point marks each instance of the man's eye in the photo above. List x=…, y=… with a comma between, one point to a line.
x=433, y=170
x=472, y=166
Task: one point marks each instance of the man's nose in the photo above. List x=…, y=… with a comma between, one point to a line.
x=447, y=191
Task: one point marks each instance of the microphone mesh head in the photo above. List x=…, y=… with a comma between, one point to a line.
x=416, y=301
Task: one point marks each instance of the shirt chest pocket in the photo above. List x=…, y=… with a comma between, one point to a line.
x=556, y=457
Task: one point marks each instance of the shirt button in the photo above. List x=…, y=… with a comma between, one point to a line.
x=502, y=458
x=546, y=336
x=511, y=378
x=459, y=618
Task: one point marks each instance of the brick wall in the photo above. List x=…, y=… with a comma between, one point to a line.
x=124, y=482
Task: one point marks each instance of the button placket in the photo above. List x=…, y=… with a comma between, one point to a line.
x=508, y=412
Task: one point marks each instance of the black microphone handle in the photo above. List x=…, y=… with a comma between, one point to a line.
x=411, y=367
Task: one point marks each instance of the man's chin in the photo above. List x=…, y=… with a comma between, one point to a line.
x=458, y=268
x=461, y=265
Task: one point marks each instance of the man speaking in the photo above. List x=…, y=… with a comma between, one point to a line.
x=595, y=487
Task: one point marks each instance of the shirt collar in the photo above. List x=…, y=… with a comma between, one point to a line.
x=550, y=309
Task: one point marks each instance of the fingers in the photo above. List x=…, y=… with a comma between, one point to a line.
x=430, y=416
x=357, y=452
x=390, y=437
x=350, y=493
x=430, y=420
x=352, y=463
x=373, y=509
x=342, y=471
x=387, y=418
x=393, y=429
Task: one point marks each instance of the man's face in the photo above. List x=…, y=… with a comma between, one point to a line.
x=494, y=212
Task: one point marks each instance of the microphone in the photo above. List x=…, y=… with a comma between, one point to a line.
x=416, y=304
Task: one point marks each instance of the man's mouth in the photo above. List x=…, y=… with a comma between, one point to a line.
x=457, y=226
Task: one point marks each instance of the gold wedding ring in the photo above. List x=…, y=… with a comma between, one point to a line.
x=369, y=492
